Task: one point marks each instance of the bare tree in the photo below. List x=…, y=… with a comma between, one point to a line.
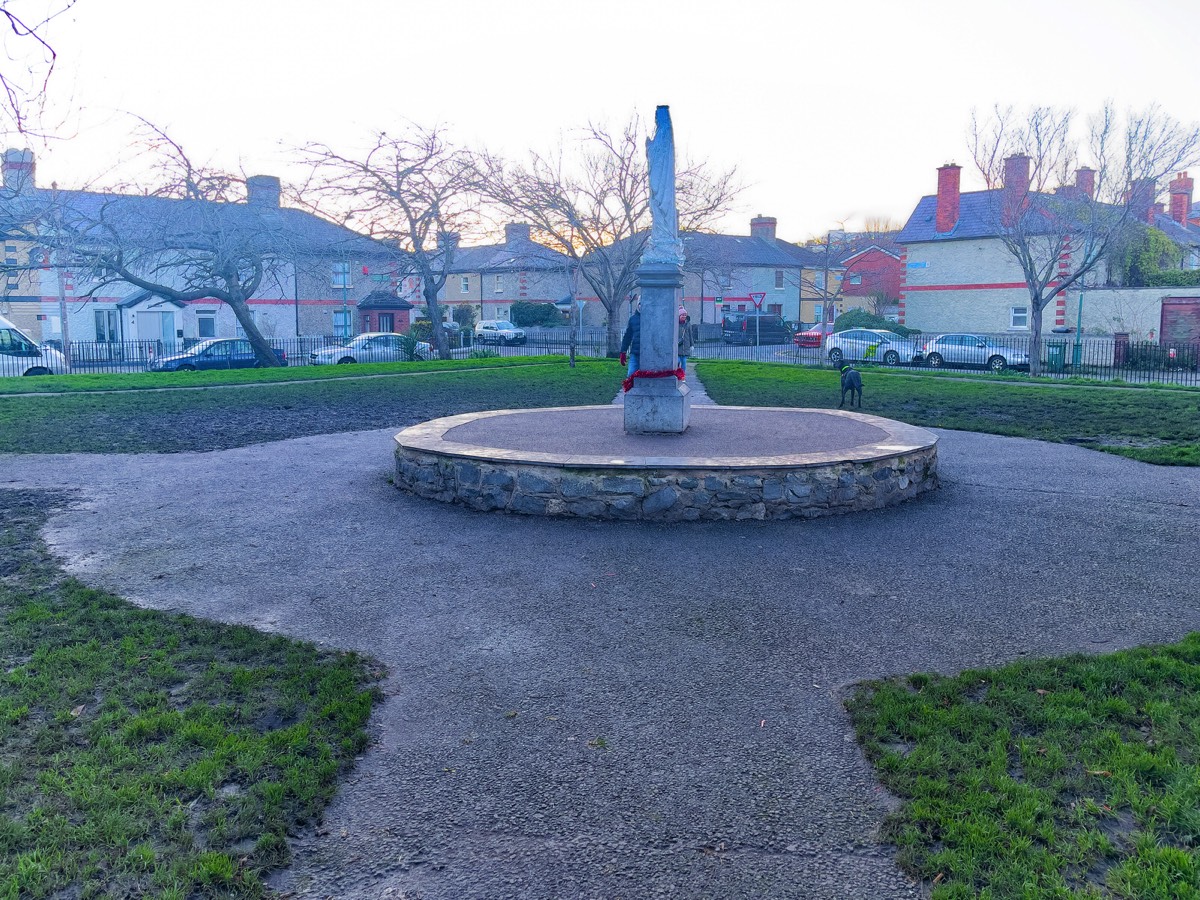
x=592, y=203
x=415, y=192
x=1059, y=238
x=180, y=236
x=27, y=58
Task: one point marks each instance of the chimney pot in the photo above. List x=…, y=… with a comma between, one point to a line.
x=517, y=232
x=763, y=227
x=949, y=180
x=1181, y=197
x=1085, y=181
x=18, y=169
x=263, y=190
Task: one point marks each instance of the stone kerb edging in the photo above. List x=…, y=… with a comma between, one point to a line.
x=667, y=488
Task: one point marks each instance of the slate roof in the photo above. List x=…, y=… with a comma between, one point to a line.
x=977, y=215
x=161, y=222
x=513, y=256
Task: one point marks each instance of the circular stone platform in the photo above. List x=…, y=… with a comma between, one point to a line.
x=733, y=462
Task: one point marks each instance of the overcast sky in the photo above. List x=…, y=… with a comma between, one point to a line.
x=830, y=111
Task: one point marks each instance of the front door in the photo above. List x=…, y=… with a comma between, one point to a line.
x=157, y=326
x=387, y=321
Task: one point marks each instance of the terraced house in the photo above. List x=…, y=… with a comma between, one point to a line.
x=312, y=275
x=958, y=275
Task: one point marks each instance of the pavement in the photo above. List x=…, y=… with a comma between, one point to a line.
x=582, y=709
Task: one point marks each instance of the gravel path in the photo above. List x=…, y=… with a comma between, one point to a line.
x=604, y=710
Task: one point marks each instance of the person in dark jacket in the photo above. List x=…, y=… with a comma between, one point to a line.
x=631, y=343
x=685, y=337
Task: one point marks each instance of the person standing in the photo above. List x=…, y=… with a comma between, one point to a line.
x=632, y=341
x=685, y=338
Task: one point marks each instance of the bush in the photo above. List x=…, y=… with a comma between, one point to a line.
x=1158, y=356
x=523, y=314
x=421, y=330
x=464, y=316
x=1174, y=278
x=860, y=318
x=480, y=353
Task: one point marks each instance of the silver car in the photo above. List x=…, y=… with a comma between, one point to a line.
x=973, y=350
x=871, y=345
x=373, y=346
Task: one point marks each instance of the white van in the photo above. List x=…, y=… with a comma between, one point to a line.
x=20, y=355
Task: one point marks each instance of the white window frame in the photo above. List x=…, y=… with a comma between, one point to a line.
x=464, y=286
x=342, y=323
x=340, y=275
x=856, y=279
x=499, y=285
x=819, y=280
x=206, y=317
x=1021, y=313
x=779, y=282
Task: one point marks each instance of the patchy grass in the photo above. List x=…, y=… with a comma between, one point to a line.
x=136, y=381
x=1154, y=426
x=1074, y=778
x=148, y=754
x=140, y=421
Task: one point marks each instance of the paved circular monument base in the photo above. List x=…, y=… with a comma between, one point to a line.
x=733, y=462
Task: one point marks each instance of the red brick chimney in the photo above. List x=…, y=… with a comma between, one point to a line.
x=1015, y=188
x=1085, y=181
x=763, y=227
x=18, y=169
x=947, y=197
x=1141, y=199
x=1181, y=197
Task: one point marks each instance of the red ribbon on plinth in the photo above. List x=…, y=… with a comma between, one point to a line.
x=643, y=373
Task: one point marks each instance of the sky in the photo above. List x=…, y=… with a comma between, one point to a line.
x=830, y=112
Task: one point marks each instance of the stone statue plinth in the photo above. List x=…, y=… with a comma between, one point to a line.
x=658, y=405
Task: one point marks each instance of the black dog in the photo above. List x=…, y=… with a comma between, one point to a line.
x=852, y=382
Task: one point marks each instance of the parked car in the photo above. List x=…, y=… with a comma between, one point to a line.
x=754, y=327
x=373, y=346
x=217, y=353
x=814, y=336
x=498, y=331
x=972, y=350
x=20, y=355
x=872, y=345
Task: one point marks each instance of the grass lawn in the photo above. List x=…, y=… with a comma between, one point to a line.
x=133, y=381
x=264, y=408
x=151, y=754
x=1156, y=426
x=1075, y=778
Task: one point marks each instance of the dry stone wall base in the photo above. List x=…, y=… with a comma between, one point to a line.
x=669, y=495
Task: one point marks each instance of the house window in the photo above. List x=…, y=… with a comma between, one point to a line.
x=856, y=279
x=464, y=285
x=1019, y=317
x=341, y=275
x=341, y=323
x=779, y=279
x=775, y=308
x=819, y=279
x=499, y=284
x=206, y=325
x=106, y=326
x=819, y=312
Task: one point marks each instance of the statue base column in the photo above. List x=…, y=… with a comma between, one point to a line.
x=658, y=405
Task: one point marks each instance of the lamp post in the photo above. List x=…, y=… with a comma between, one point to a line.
x=1077, y=350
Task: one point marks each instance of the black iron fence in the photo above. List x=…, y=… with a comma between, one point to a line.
x=1061, y=356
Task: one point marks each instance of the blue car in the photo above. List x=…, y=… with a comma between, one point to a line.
x=219, y=353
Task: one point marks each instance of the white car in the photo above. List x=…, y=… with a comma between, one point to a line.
x=19, y=355
x=973, y=350
x=872, y=345
x=498, y=331
x=373, y=346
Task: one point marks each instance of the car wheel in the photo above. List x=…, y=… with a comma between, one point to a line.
x=345, y=360
x=891, y=358
x=997, y=364
x=934, y=360
x=186, y=367
x=835, y=356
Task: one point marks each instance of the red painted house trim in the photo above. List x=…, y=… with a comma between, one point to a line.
x=964, y=287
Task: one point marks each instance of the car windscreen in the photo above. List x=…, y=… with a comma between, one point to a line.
x=505, y=325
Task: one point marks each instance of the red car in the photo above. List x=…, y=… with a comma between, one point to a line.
x=815, y=336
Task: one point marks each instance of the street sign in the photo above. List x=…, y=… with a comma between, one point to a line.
x=758, y=299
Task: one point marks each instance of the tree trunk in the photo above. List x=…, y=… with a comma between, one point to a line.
x=616, y=329
x=262, y=349
x=1037, y=304
x=438, y=338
